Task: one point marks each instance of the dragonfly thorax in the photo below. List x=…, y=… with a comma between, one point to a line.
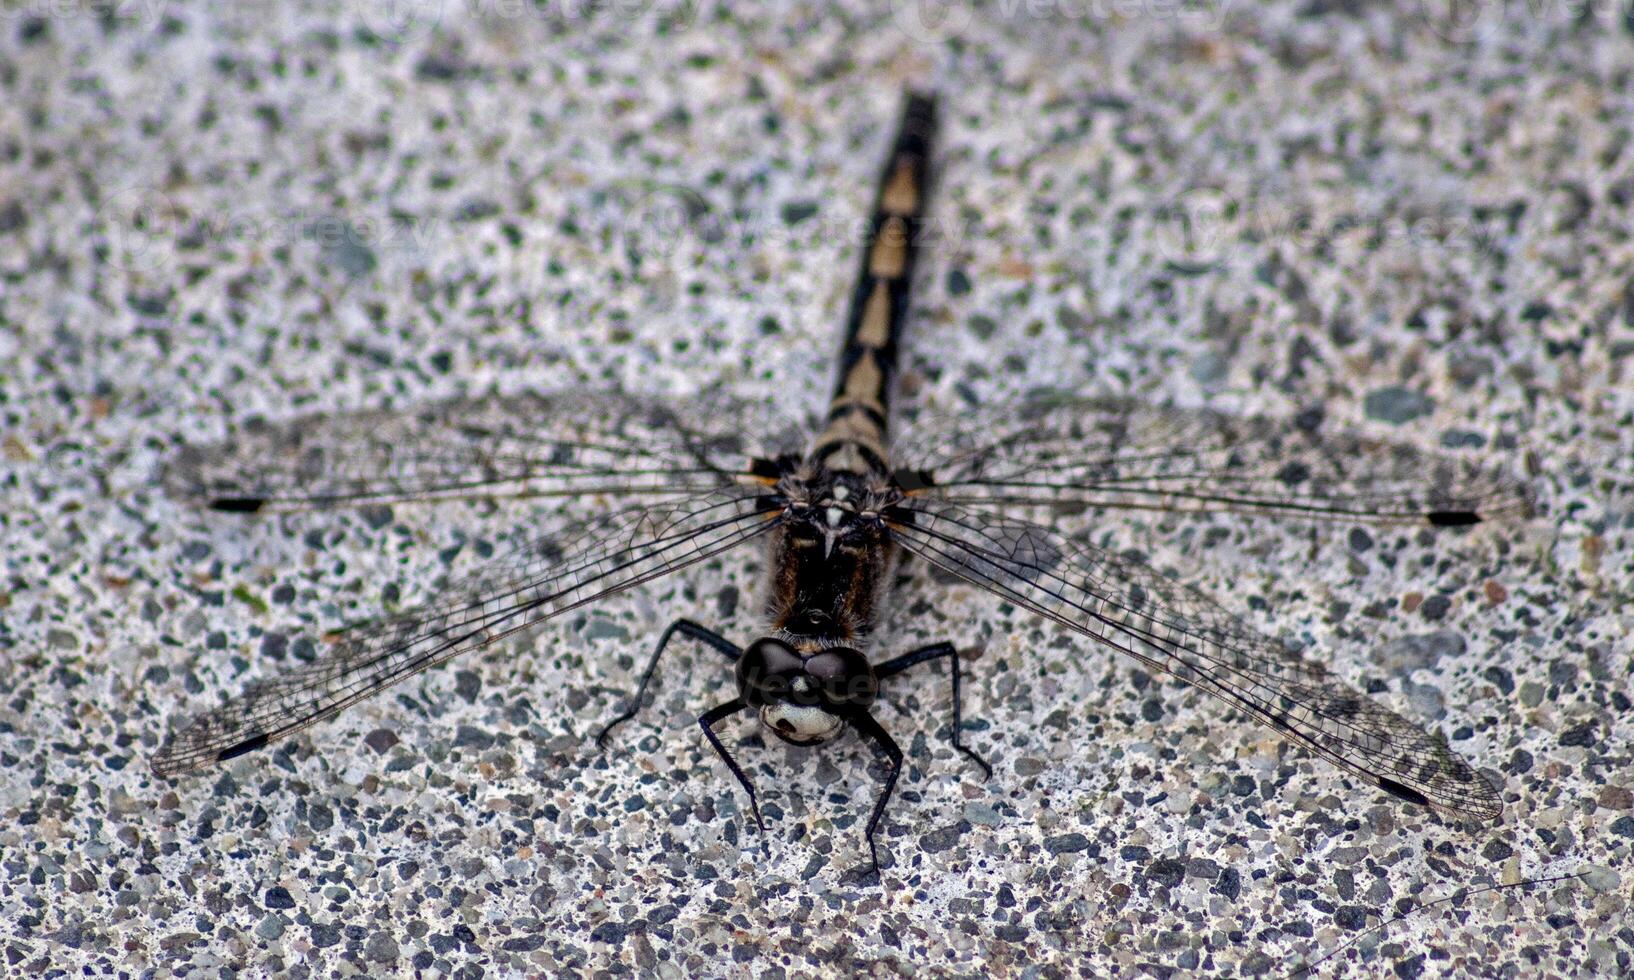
x=836, y=506
x=804, y=697
x=830, y=556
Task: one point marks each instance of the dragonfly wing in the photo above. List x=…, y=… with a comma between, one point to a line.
x=614, y=553
x=569, y=444
x=1068, y=452
x=1169, y=627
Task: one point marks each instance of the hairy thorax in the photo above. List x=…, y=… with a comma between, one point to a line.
x=831, y=559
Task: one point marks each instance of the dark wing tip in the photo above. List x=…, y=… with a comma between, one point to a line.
x=913, y=481
x=250, y=744
x=1452, y=518
x=1404, y=792
x=177, y=760
x=237, y=505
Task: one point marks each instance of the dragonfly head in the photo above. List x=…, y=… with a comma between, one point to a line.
x=804, y=698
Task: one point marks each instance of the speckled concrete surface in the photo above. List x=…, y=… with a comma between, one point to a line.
x=1415, y=221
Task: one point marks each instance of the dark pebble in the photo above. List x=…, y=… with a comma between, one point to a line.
x=471, y=737
x=1066, y=843
x=610, y=932
x=1423, y=649
x=726, y=602
x=382, y=948
x=795, y=212
x=1502, y=679
x=477, y=208
x=663, y=914
x=1581, y=735
x=941, y=840
x=1166, y=872
x=1396, y=404
x=277, y=897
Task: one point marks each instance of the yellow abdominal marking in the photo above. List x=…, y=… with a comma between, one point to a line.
x=901, y=193
x=890, y=252
x=863, y=383
x=875, y=329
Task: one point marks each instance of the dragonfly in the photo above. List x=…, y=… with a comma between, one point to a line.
x=662, y=485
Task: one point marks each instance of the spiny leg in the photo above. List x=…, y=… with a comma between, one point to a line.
x=937, y=651
x=870, y=729
x=687, y=626
x=707, y=722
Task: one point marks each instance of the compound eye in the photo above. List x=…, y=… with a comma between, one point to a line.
x=845, y=675
x=766, y=671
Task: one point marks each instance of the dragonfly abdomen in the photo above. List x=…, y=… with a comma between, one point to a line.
x=854, y=439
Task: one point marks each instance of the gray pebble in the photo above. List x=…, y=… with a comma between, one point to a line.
x=271, y=926
x=1397, y=404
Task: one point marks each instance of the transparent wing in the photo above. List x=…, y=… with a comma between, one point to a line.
x=1169, y=627
x=613, y=553
x=562, y=445
x=1117, y=454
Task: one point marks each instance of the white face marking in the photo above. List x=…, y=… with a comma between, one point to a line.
x=835, y=516
x=841, y=492
x=800, y=723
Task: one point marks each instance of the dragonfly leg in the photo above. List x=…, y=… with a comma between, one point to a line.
x=938, y=651
x=701, y=633
x=707, y=722
x=870, y=729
